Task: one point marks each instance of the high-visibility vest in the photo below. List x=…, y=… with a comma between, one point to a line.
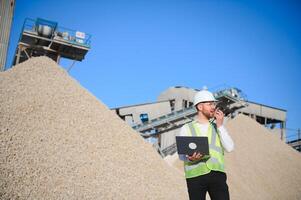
x=216, y=159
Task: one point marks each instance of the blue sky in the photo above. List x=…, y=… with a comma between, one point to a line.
x=140, y=48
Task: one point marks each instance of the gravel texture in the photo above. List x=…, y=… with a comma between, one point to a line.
x=59, y=142
x=261, y=166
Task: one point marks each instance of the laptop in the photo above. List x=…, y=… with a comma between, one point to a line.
x=187, y=145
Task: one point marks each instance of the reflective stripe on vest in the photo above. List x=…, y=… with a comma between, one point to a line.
x=216, y=159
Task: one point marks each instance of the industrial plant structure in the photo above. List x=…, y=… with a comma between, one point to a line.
x=41, y=37
x=160, y=121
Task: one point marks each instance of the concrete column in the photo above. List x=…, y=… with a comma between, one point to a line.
x=6, y=16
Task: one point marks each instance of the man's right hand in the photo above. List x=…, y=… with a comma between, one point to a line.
x=195, y=157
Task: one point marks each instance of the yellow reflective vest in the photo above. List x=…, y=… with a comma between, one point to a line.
x=216, y=159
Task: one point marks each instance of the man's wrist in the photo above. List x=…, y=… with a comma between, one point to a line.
x=219, y=124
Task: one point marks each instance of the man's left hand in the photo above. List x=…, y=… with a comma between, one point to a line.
x=219, y=116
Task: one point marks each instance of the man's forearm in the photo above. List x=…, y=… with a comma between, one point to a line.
x=226, y=140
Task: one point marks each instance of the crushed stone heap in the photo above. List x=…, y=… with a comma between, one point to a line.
x=59, y=142
x=261, y=166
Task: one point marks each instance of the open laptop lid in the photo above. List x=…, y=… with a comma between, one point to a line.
x=187, y=145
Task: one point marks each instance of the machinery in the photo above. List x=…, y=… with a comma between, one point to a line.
x=42, y=37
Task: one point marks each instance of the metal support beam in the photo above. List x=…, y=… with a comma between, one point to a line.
x=18, y=54
x=299, y=138
x=282, y=128
x=58, y=59
x=26, y=53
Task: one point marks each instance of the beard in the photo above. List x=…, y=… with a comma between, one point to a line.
x=208, y=114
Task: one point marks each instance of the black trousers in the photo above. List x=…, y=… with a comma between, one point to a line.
x=214, y=183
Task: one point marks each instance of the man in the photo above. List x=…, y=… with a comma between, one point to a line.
x=202, y=173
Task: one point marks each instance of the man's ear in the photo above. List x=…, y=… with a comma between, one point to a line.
x=199, y=107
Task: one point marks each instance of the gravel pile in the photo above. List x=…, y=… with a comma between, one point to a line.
x=261, y=166
x=59, y=142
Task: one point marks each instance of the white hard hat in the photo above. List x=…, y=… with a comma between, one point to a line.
x=203, y=96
